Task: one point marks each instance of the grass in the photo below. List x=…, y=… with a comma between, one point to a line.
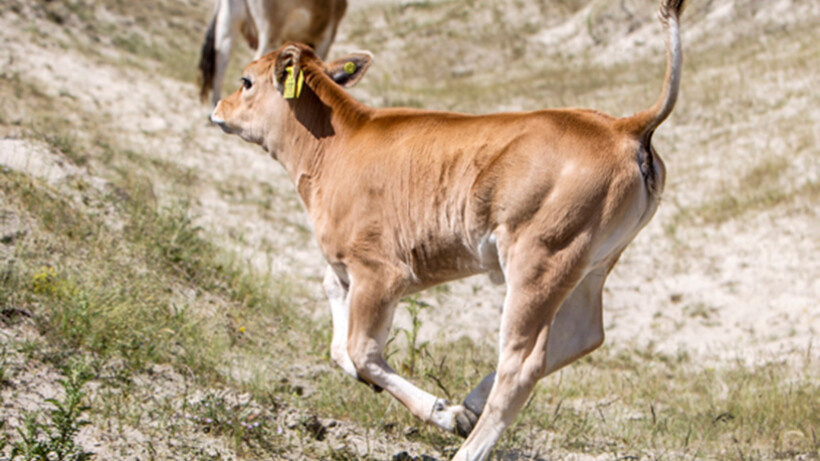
x=651, y=403
x=622, y=402
x=115, y=274
x=244, y=425
x=4, y=377
x=120, y=294
x=488, y=57
x=122, y=298
x=761, y=188
x=164, y=32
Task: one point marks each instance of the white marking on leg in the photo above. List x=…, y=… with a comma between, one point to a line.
x=421, y=404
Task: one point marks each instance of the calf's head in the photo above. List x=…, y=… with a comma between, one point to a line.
x=275, y=88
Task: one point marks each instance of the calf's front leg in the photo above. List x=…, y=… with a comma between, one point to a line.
x=373, y=298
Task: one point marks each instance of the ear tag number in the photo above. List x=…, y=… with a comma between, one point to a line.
x=293, y=85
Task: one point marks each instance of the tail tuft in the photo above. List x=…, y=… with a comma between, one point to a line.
x=670, y=9
x=207, y=62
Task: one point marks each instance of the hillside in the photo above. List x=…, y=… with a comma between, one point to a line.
x=165, y=273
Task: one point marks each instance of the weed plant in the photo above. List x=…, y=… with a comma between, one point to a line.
x=415, y=349
x=54, y=439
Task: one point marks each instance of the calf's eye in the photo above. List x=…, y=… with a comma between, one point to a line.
x=246, y=83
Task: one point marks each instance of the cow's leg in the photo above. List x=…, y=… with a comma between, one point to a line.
x=374, y=294
x=264, y=39
x=538, y=282
x=577, y=330
x=229, y=19
x=268, y=24
x=324, y=41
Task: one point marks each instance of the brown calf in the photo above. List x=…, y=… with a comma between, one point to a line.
x=404, y=199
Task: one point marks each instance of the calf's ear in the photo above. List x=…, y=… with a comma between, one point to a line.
x=288, y=57
x=348, y=70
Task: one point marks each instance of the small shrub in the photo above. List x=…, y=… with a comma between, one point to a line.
x=55, y=439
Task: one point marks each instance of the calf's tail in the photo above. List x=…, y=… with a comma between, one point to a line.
x=643, y=124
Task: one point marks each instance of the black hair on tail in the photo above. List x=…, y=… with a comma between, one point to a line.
x=207, y=62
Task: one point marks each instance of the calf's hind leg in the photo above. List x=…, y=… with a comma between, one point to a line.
x=576, y=331
x=538, y=283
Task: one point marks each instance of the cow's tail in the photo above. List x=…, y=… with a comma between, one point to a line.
x=207, y=60
x=643, y=124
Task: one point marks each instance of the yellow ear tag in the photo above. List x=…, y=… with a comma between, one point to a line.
x=350, y=67
x=293, y=86
x=299, y=83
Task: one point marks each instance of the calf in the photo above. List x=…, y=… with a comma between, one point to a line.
x=265, y=24
x=404, y=199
